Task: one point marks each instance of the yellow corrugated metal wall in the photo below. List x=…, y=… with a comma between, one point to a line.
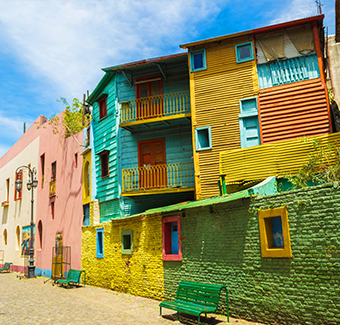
x=217, y=91
x=272, y=159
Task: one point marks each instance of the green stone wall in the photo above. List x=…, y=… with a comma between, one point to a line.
x=221, y=244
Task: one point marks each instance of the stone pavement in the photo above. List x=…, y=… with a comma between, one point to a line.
x=31, y=301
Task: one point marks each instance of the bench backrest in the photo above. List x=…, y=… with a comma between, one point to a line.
x=6, y=266
x=199, y=293
x=73, y=275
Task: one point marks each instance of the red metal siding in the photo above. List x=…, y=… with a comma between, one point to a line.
x=294, y=110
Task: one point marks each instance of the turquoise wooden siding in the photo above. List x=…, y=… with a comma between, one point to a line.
x=287, y=71
x=138, y=204
x=105, y=138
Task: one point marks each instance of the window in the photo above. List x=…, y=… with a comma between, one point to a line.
x=75, y=160
x=249, y=123
x=171, y=231
x=102, y=107
x=127, y=243
x=244, y=52
x=86, y=182
x=7, y=190
x=104, y=162
x=52, y=210
x=54, y=171
x=203, y=138
x=100, y=243
x=17, y=232
x=198, y=60
x=86, y=211
x=5, y=237
x=42, y=166
x=17, y=194
x=39, y=235
x=274, y=233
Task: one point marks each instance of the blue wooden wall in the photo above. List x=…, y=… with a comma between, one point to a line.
x=105, y=138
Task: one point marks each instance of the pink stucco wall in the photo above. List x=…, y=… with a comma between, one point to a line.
x=68, y=213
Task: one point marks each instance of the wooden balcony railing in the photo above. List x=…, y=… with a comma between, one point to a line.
x=52, y=188
x=163, y=176
x=160, y=106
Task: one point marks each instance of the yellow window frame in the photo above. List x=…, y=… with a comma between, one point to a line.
x=266, y=233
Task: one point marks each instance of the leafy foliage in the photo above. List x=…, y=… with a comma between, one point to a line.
x=323, y=165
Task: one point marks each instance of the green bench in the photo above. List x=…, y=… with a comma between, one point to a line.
x=6, y=267
x=196, y=299
x=73, y=278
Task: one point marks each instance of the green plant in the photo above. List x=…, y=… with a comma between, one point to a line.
x=322, y=166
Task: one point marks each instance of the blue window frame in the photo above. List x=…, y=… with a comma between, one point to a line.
x=198, y=60
x=203, y=138
x=244, y=52
x=127, y=242
x=249, y=123
x=100, y=243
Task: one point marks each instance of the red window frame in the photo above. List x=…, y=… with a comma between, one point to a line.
x=102, y=102
x=18, y=194
x=166, y=235
x=104, y=163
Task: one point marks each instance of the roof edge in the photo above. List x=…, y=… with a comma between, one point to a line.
x=256, y=31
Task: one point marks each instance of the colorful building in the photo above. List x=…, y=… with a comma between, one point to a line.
x=57, y=207
x=142, y=136
x=253, y=88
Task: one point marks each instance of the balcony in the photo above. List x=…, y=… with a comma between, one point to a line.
x=154, y=179
x=272, y=159
x=290, y=70
x=52, y=191
x=156, y=108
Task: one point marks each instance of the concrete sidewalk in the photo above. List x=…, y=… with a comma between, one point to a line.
x=31, y=301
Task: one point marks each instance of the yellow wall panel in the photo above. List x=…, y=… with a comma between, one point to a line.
x=140, y=273
x=217, y=91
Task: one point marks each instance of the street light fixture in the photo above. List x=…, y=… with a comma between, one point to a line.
x=31, y=185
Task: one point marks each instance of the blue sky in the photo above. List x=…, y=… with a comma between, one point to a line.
x=56, y=48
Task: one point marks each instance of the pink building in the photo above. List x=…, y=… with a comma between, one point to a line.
x=58, y=211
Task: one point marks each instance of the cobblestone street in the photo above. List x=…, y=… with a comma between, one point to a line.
x=35, y=302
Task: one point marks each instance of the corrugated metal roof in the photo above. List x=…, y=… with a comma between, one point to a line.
x=192, y=204
x=256, y=31
x=145, y=61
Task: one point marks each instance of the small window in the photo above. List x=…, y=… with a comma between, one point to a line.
x=42, y=166
x=40, y=235
x=102, y=107
x=244, y=52
x=104, y=162
x=52, y=210
x=5, y=237
x=17, y=194
x=7, y=189
x=274, y=233
x=86, y=211
x=17, y=232
x=75, y=160
x=127, y=243
x=198, y=60
x=171, y=231
x=100, y=243
x=203, y=138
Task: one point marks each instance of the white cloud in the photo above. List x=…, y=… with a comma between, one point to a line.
x=69, y=41
x=296, y=9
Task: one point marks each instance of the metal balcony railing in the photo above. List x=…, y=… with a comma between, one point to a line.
x=160, y=106
x=158, y=177
x=52, y=187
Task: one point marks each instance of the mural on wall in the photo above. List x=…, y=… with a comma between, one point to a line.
x=26, y=240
